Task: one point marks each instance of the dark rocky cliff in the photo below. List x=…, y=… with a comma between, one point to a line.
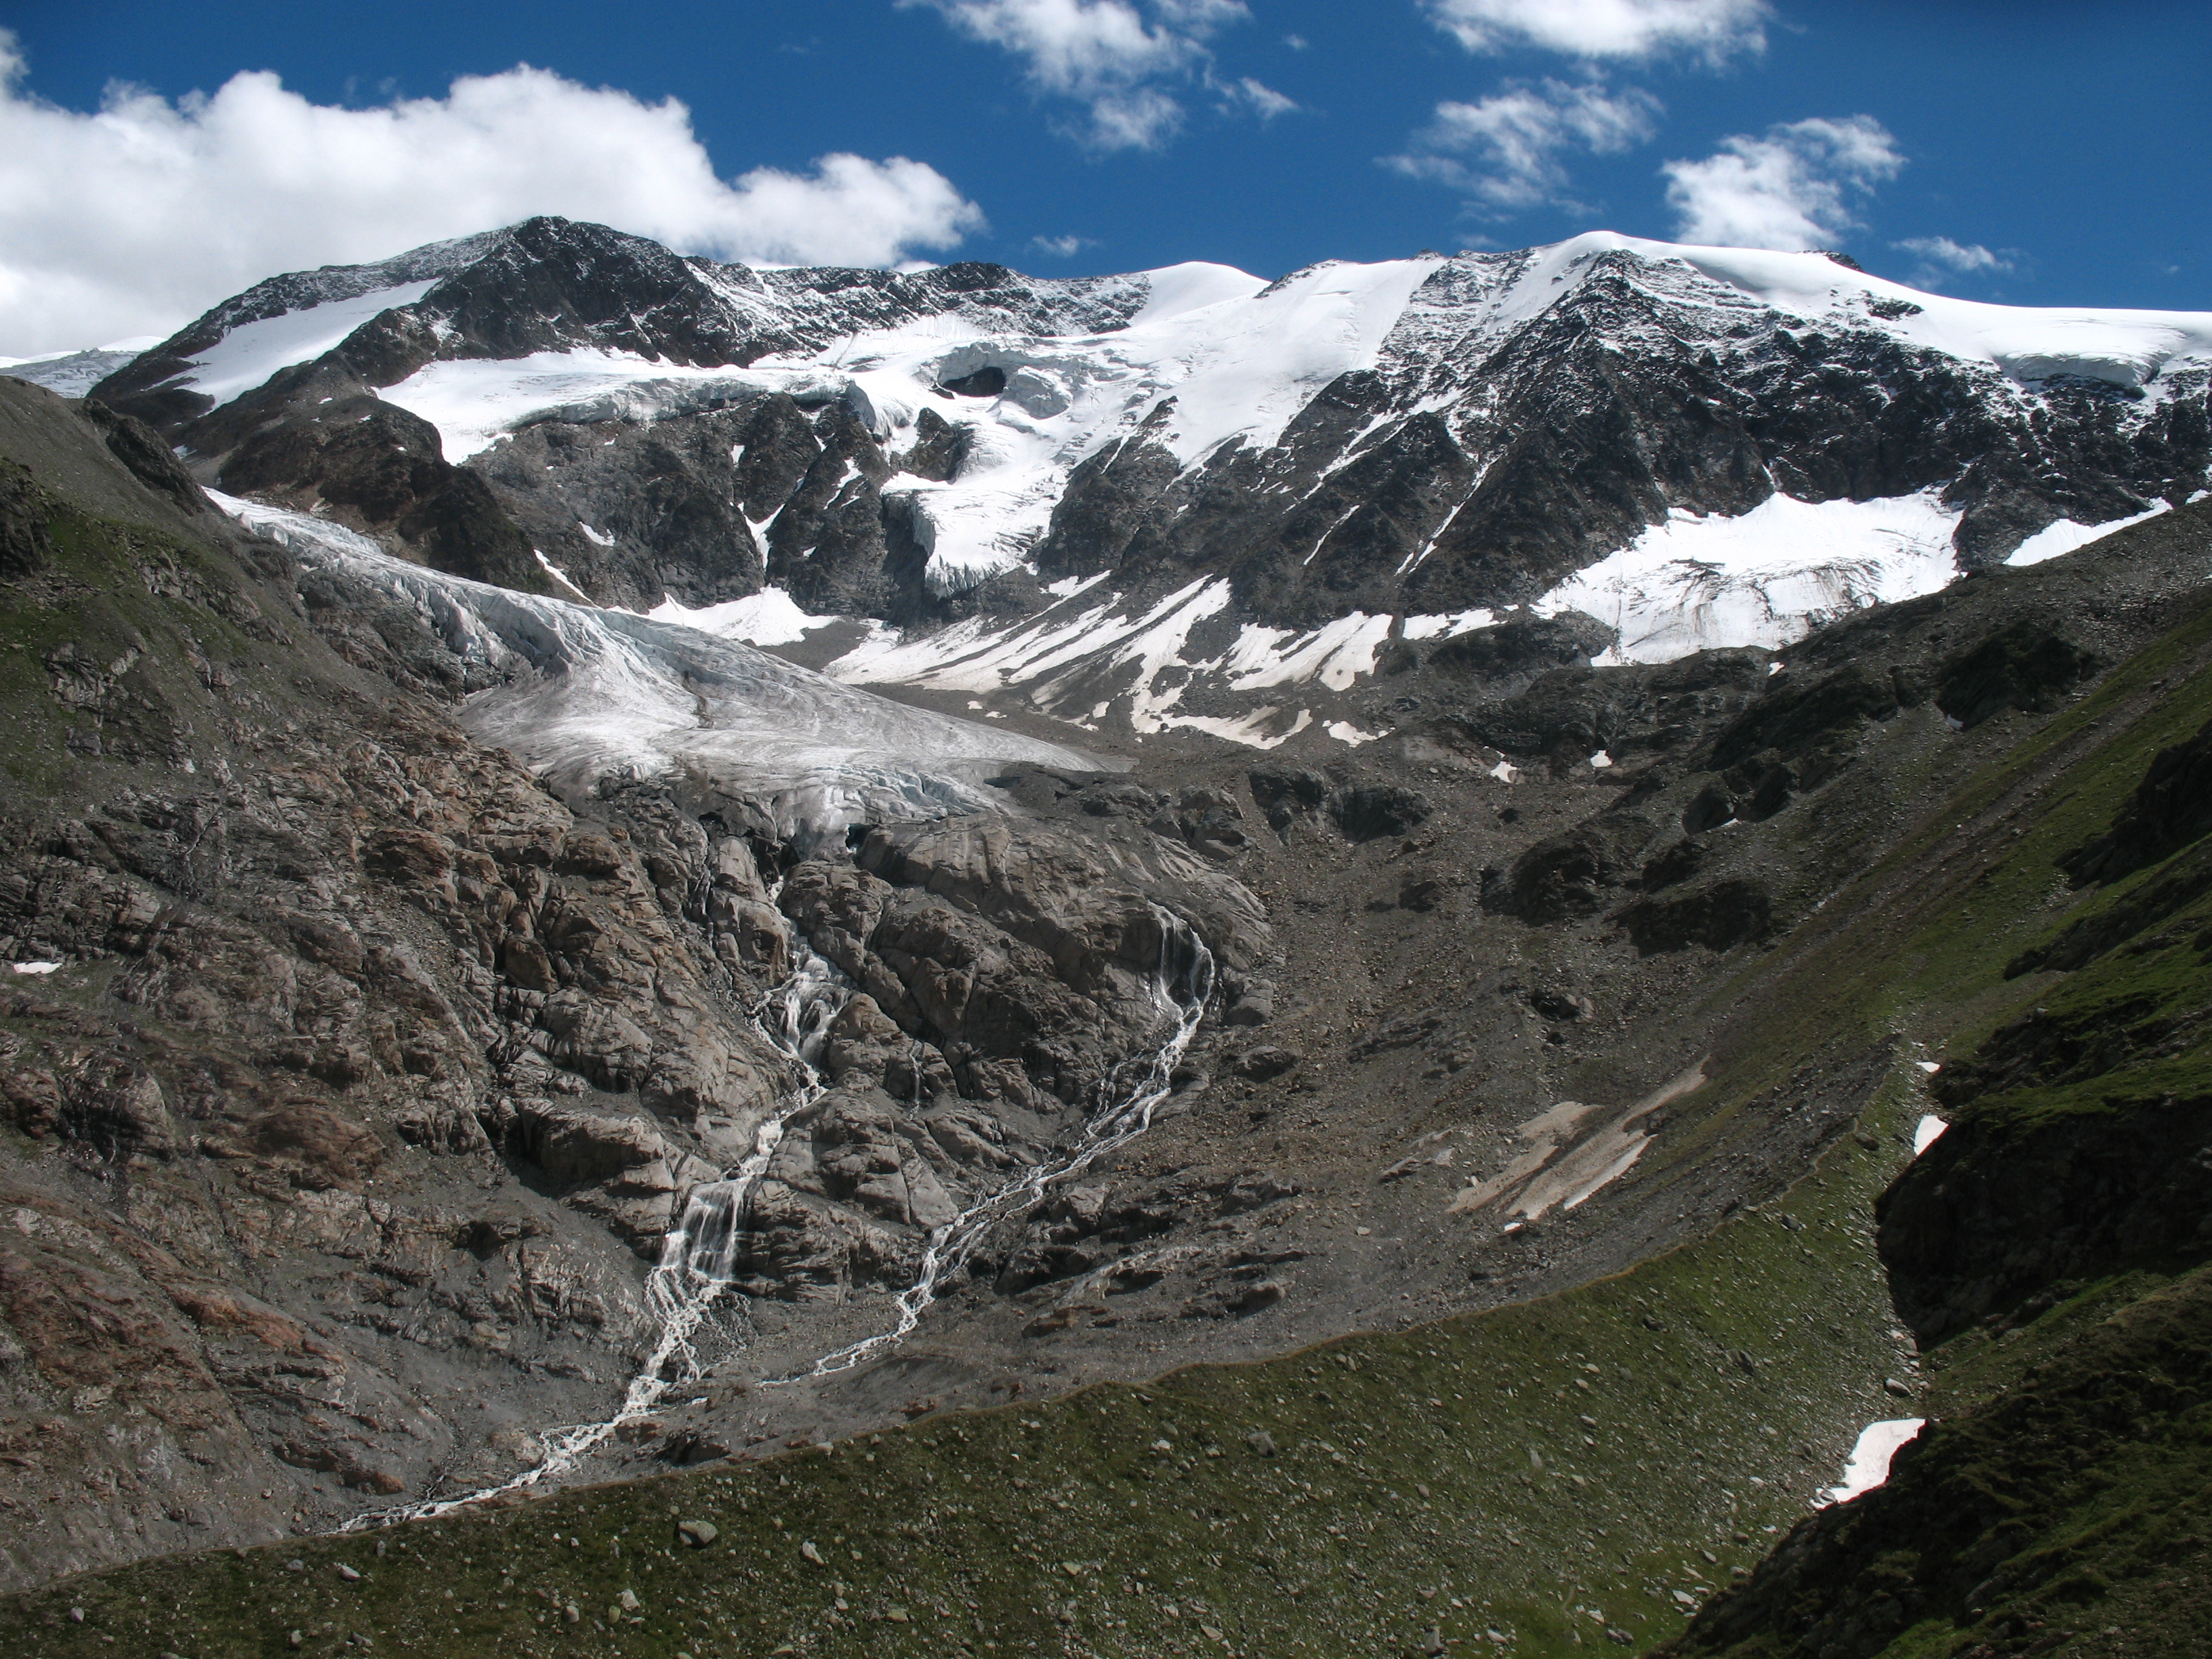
x=2049, y=1253
x=1474, y=463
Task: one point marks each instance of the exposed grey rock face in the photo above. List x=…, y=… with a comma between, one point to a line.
x=361, y=1069
x=385, y=466
x=1508, y=430
x=654, y=511
x=1359, y=807
x=1007, y=969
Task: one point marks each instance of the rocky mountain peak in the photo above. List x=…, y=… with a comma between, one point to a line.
x=1695, y=446
x=620, y=863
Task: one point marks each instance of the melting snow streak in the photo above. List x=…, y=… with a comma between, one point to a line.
x=1878, y=1444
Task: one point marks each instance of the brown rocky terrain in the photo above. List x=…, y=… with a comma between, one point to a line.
x=352, y=1079
x=350, y=1074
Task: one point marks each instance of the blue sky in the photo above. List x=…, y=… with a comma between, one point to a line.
x=2039, y=153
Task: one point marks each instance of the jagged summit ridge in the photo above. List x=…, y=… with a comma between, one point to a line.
x=550, y=284
x=1695, y=446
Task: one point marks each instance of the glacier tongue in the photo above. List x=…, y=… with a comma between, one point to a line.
x=73, y=374
x=1244, y=498
x=593, y=695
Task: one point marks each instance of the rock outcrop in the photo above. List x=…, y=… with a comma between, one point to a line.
x=348, y=1067
x=1522, y=415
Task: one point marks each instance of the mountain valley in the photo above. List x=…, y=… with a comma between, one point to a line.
x=1153, y=964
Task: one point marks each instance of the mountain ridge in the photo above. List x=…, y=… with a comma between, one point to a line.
x=471, y=1041
x=1502, y=421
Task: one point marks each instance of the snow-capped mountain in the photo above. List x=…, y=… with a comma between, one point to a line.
x=471, y=974
x=73, y=374
x=1188, y=496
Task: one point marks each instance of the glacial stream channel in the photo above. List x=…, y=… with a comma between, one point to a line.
x=699, y=1256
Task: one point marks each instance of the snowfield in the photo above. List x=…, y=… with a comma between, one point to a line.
x=1213, y=357
x=1878, y=1446
x=1764, y=577
x=768, y=617
x=248, y=354
x=593, y=694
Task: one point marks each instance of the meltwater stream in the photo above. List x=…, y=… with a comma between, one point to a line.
x=696, y=1257
x=1181, y=986
x=699, y=1256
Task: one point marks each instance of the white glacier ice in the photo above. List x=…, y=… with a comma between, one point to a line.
x=592, y=693
x=1765, y=577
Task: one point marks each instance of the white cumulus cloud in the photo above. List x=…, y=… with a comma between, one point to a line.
x=133, y=220
x=1061, y=247
x=1713, y=30
x=1793, y=189
x=1508, y=151
x=1963, y=258
x=1125, y=64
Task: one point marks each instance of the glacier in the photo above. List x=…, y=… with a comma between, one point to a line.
x=1201, y=361
x=593, y=695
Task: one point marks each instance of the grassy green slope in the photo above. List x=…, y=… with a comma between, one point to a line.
x=132, y=619
x=2062, y=1503
x=1548, y=1471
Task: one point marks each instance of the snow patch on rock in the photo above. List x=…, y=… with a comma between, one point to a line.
x=2065, y=536
x=770, y=617
x=1767, y=577
x=1877, y=1448
x=249, y=353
